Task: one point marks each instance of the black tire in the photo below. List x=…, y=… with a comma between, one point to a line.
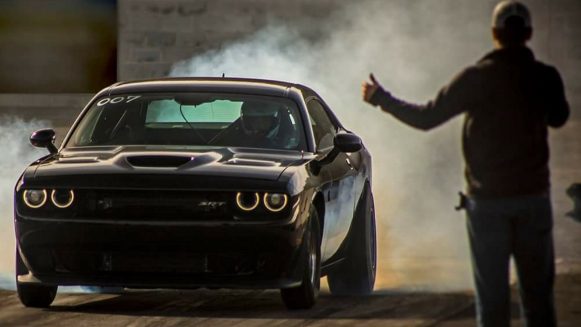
x=356, y=275
x=33, y=295
x=305, y=296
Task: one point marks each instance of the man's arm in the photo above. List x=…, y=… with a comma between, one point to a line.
x=452, y=100
x=558, y=105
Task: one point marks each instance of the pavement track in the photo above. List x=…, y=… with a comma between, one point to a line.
x=233, y=308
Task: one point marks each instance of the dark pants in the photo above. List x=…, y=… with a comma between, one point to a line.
x=521, y=227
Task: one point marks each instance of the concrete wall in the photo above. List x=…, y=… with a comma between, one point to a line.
x=155, y=34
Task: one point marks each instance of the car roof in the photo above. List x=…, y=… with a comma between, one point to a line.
x=208, y=84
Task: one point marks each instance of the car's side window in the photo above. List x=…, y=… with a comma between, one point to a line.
x=323, y=128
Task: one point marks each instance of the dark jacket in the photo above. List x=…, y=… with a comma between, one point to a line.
x=509, y=99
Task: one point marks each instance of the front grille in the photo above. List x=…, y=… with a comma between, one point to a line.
x=142, y=205
x=157, y=205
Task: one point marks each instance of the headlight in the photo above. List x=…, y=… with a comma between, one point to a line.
x=247, y=201
x=61, y=198
x=34, y=198
x=275, y=202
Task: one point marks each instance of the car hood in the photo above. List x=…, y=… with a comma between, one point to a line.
x=249, y=163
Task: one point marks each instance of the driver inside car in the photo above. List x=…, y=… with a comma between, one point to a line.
x=258, y=126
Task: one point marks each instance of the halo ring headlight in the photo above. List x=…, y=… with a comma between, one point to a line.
x=62, y=205
x=28, y=196
x=243, y=205
x=275, y=202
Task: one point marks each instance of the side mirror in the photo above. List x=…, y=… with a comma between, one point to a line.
x=347, y=142
x=344, y=142
x=44, y=138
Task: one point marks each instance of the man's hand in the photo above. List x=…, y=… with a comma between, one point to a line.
x=368, y=88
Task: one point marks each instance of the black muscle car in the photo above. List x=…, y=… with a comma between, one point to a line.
x=198, y=182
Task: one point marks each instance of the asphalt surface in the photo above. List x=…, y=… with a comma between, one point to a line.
x=230, y=308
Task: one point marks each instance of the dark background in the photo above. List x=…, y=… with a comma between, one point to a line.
x=57, y=46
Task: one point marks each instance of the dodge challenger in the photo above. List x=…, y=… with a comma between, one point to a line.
x=198, y=182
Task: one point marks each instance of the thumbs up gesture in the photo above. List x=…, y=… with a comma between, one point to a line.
x=369, y=87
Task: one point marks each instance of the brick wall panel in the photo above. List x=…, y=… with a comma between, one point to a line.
x=146, y=55
x=161, y=39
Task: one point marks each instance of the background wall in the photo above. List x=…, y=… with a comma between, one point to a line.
x=156, y=34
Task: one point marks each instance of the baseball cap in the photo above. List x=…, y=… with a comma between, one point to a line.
x=507, y=9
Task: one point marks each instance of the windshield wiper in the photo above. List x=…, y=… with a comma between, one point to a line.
x=192, y=127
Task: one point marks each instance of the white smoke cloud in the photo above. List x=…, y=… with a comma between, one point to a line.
x=413, y=47
x=17, y=153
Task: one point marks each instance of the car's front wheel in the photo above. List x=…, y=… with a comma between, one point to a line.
x=33, y=295
x=356, y=275
x=305, y=295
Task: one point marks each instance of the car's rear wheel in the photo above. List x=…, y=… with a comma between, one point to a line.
x=305, y=295
x=33, y=295
x=356, y=275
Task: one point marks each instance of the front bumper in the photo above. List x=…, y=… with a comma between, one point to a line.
x=264, y=255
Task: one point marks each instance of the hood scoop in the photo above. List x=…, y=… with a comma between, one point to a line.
x=73, y=160
x=158, y=161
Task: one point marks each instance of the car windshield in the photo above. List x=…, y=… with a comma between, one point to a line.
x=206, y=119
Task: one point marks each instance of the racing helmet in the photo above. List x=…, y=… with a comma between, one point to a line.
x=259, y=117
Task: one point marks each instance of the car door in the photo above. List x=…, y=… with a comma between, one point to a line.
x=340, y=176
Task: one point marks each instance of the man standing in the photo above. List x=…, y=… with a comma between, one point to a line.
x=509, y=99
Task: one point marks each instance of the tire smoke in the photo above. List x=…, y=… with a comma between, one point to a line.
x=17, y=153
